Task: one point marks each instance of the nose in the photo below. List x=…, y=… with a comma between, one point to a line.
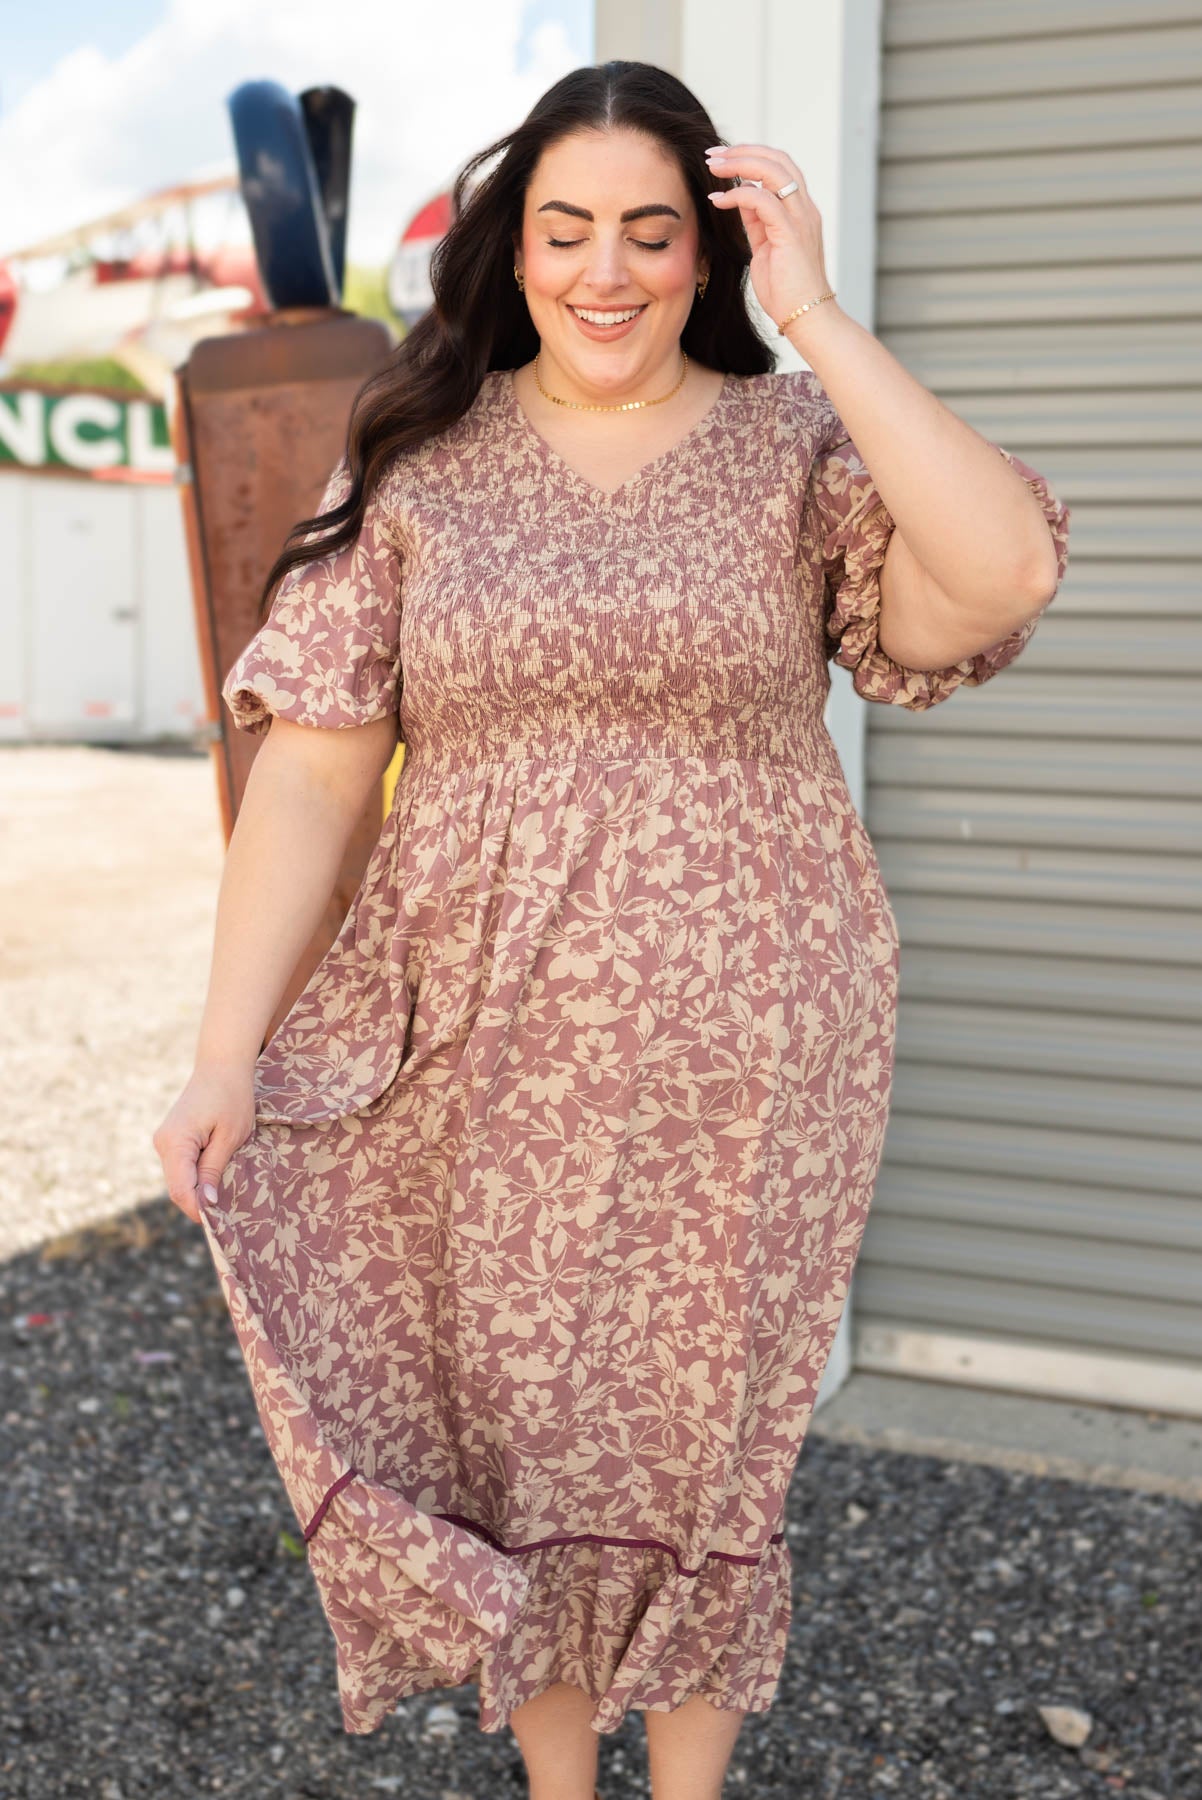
x=608, y=268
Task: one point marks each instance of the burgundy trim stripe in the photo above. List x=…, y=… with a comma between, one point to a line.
x=584, y=1537
x=319, y=1515
x=593, y=1537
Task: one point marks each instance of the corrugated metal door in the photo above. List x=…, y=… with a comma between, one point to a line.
x=1038, y=1221
x=83, y=629
x=97, y=633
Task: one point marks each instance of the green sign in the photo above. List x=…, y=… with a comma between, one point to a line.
x=86, y=431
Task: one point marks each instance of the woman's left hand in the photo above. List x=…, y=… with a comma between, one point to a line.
x=787, y=264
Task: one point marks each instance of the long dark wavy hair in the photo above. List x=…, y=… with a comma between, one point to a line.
x=479, y=319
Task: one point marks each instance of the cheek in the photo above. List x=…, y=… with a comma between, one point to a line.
x=549, y=272
x=670, y=272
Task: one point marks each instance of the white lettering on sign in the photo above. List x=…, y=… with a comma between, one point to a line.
x=144, y=453
x=83, y=432
x=23, y=427
x=66, y=418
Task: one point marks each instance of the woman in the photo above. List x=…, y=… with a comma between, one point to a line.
x=537, y=1215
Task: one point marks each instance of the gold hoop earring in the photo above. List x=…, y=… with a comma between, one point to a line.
x=519, y=278
x=702, y=285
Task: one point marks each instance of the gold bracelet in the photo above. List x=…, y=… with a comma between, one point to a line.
x=798, y=310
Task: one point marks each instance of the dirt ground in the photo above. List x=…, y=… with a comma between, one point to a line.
x=110, y=860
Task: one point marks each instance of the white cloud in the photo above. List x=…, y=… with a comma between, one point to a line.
x=432, y=85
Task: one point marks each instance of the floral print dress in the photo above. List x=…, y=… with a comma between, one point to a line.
x=562, y=1160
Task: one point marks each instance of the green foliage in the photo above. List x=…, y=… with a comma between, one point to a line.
x=365, y=291
x=86, y=372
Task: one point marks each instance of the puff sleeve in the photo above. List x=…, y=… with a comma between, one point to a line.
x=855, y=527
x=328, y=651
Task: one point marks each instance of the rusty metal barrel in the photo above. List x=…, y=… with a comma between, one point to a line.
x=259, y=423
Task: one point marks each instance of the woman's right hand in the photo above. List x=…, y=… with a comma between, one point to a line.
x=306, y=790
x=213, y=1116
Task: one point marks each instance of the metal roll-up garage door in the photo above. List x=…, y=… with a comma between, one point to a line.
x=1038, y=1219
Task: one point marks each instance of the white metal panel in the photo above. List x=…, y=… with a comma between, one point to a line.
x=1039, y=1043
x=1040, y=267
x=1048, y=61
x=1023, y=1310
x=1078, y=879
x=1030, y=179
x=1120, y=933
x=915, y=762
x=1072, y=1208
x=1090, y=356
x=1045, y=1153
x=1008, y=816
x=83, y=609
x=933, y=22
x=1077, y=705
x=1163, y=421
x=172, y=687
x=1079, y=291
x=1065, y=1263
x=1030, y=1366
x=1106, y=118
x=987, y=1092
x=14, y=610
x=1043, y=232
x=1111, y=988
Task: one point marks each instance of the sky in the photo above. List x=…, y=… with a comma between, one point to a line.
x=100, y=104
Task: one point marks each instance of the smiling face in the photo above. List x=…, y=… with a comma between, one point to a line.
x=609, y=230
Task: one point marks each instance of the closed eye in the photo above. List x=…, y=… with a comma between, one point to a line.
x=571, y=243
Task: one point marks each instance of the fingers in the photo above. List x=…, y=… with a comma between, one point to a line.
x=208, y=1177
x=186, y=1181
x=212, y=1118
x=757, y=162
x=184, y=1195
x=768, y=209
x=765, y=215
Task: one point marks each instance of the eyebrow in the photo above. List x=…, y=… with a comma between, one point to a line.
x=654, y=210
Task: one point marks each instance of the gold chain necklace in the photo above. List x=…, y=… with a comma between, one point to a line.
x=626, y=405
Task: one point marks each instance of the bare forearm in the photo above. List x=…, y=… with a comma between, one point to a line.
x=965, y=515
x=284, y=855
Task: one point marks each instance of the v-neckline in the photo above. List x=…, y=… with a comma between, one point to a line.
x=602, y=495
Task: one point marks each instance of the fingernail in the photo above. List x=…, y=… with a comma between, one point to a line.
x=209, y=1191
x=717, y=194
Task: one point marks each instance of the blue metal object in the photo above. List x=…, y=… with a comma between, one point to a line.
x=283, y=196
x=329, y=116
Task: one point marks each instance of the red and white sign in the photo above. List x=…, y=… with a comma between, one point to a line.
x=409, y=290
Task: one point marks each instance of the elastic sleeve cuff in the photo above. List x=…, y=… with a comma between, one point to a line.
x=310, y=682
x=855, y=550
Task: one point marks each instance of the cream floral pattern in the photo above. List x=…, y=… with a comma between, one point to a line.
x=562, y=1161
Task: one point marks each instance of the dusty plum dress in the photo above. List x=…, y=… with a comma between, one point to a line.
x=562, y=1161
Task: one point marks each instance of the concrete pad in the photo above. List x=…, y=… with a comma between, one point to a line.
x=1111, y=1446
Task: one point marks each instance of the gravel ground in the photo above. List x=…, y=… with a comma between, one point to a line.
x=162, y=1635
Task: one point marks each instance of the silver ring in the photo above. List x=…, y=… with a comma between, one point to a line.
x=790, y=187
